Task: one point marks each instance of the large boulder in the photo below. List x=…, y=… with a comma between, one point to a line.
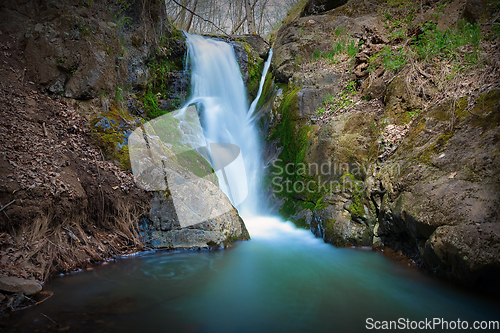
x=441, y=191
x=298, y=40
x=164, y=231
x=188, y=209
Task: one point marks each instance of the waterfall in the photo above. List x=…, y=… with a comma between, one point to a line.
x=219, y=92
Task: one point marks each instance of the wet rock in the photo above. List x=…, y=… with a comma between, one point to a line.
x=188, y=209
x=18, y=285
x=335, y=225
x=224, y=227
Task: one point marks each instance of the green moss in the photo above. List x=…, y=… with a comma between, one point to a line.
x=435, y=148
x=255, y=68
x=108, y=131
x=293, y=138
x=358, y=194
x=487, y=111
x=332, y=234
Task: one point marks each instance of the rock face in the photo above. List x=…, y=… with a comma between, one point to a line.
x=442, y=191
x=257, y=43
x=164, y=231
x=17, y=285
x=77, y=51
x=296, y=41
x=428, y=184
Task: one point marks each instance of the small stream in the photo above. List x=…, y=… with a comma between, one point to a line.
x=283, y=280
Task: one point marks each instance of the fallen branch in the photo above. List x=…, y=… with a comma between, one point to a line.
x=204, y=19
x=49, y=295
x=7, y=205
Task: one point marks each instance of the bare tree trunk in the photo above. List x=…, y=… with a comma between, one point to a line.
x=236, y=27
x=262, y=9
x=180, y=19
x=250, y=18
x=190, y=19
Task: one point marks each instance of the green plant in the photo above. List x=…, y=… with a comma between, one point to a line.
x=352, y=49
x=296, y=61
x=119, y=94
x=85, y=29
x=124, y=22
x=151, y=105
x=351, y=87
x=321, y=111
x=339, y=31
x=72, y=70
x=393, y=59
x=433, y=43
x=397, y=34
x=316, y=54
x=342, y=100
x=61, y=61
x=409, y=116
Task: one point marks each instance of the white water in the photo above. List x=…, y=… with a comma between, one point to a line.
x=219, y=90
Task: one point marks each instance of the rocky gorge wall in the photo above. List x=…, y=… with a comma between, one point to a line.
x=409, y=147
x=77, y=78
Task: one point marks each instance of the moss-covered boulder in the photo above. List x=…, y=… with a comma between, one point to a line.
x=345, y=218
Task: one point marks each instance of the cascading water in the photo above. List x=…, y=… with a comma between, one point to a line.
x=219, y=91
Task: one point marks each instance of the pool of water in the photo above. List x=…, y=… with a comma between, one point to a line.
x=283, y=280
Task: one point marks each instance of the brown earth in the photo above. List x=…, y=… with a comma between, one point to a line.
x=67, y=206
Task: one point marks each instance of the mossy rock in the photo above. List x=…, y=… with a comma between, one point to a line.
x=110, y=132
x=399, y=102
x=335, y=225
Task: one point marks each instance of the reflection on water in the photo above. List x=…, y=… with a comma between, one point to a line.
x=283, y=280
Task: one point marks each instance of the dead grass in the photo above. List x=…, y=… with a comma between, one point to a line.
x=41, y=248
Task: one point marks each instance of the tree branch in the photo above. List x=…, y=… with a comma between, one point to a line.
x=215, y=25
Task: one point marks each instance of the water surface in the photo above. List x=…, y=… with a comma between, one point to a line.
x=283, y=280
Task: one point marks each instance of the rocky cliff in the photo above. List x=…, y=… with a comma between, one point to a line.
x=387, y=119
